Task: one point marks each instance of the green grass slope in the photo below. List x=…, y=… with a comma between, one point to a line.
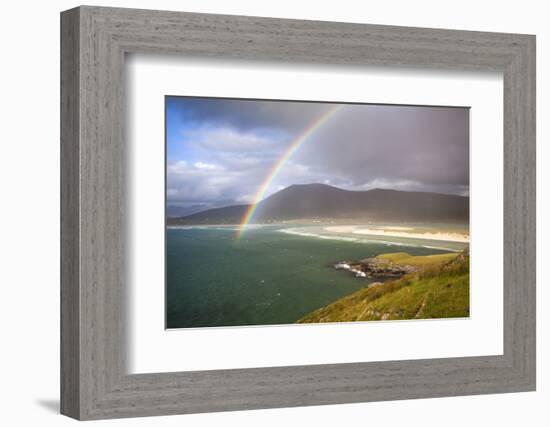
x=439, y=290
x=405, y=258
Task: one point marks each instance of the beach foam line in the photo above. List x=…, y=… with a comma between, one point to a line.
x=363, y=240
x=392, y=232
x=445, y=237
x=344, y=238
x=319, y=236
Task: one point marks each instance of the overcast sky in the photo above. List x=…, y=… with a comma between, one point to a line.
x=219, y=150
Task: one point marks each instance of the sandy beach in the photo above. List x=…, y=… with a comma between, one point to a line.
x=404, y=232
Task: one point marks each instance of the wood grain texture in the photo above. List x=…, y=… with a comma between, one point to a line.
x=70, y=333
x=94, y=235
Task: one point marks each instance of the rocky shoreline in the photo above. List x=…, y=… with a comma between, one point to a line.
x=438, y=288
x=375, y=267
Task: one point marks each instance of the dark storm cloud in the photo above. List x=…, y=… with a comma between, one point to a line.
x=222, y=150
x=243, y=115
x=425, y=145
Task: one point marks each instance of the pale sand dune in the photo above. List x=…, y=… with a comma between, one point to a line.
x=398, y=232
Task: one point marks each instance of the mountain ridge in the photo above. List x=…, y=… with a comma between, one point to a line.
x=300, y=202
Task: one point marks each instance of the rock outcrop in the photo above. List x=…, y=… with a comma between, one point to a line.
x=375, y=267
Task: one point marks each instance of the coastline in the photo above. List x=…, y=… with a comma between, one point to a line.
x=447, y=237
x=283, y=266
x=402, y=232
x=429, y=287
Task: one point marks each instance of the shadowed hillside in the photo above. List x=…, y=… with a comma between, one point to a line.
x=319, y=201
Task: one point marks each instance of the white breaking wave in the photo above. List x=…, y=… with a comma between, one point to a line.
x=298, y=232
x=318, y=236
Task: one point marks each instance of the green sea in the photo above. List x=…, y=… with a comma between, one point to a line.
x=266, y=277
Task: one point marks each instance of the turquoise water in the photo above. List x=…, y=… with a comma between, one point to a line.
x=266, y=277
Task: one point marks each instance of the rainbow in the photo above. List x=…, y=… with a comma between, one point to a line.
x=303, y=137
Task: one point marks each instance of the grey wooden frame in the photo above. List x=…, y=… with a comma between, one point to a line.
x=94, y=382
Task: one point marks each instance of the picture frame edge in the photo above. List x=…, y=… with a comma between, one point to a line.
x=93, y=382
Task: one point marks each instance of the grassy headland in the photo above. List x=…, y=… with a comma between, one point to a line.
x=439, y=288
x=403, y=258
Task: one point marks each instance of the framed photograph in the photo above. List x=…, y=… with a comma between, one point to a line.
x=262, y=213
x=275, y=215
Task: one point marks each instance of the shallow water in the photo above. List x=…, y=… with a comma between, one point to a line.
x=265, y=277
x=321, y=232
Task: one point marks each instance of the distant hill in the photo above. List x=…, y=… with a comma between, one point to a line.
x=323, y=202
x=225, y=215
x=175, y=211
